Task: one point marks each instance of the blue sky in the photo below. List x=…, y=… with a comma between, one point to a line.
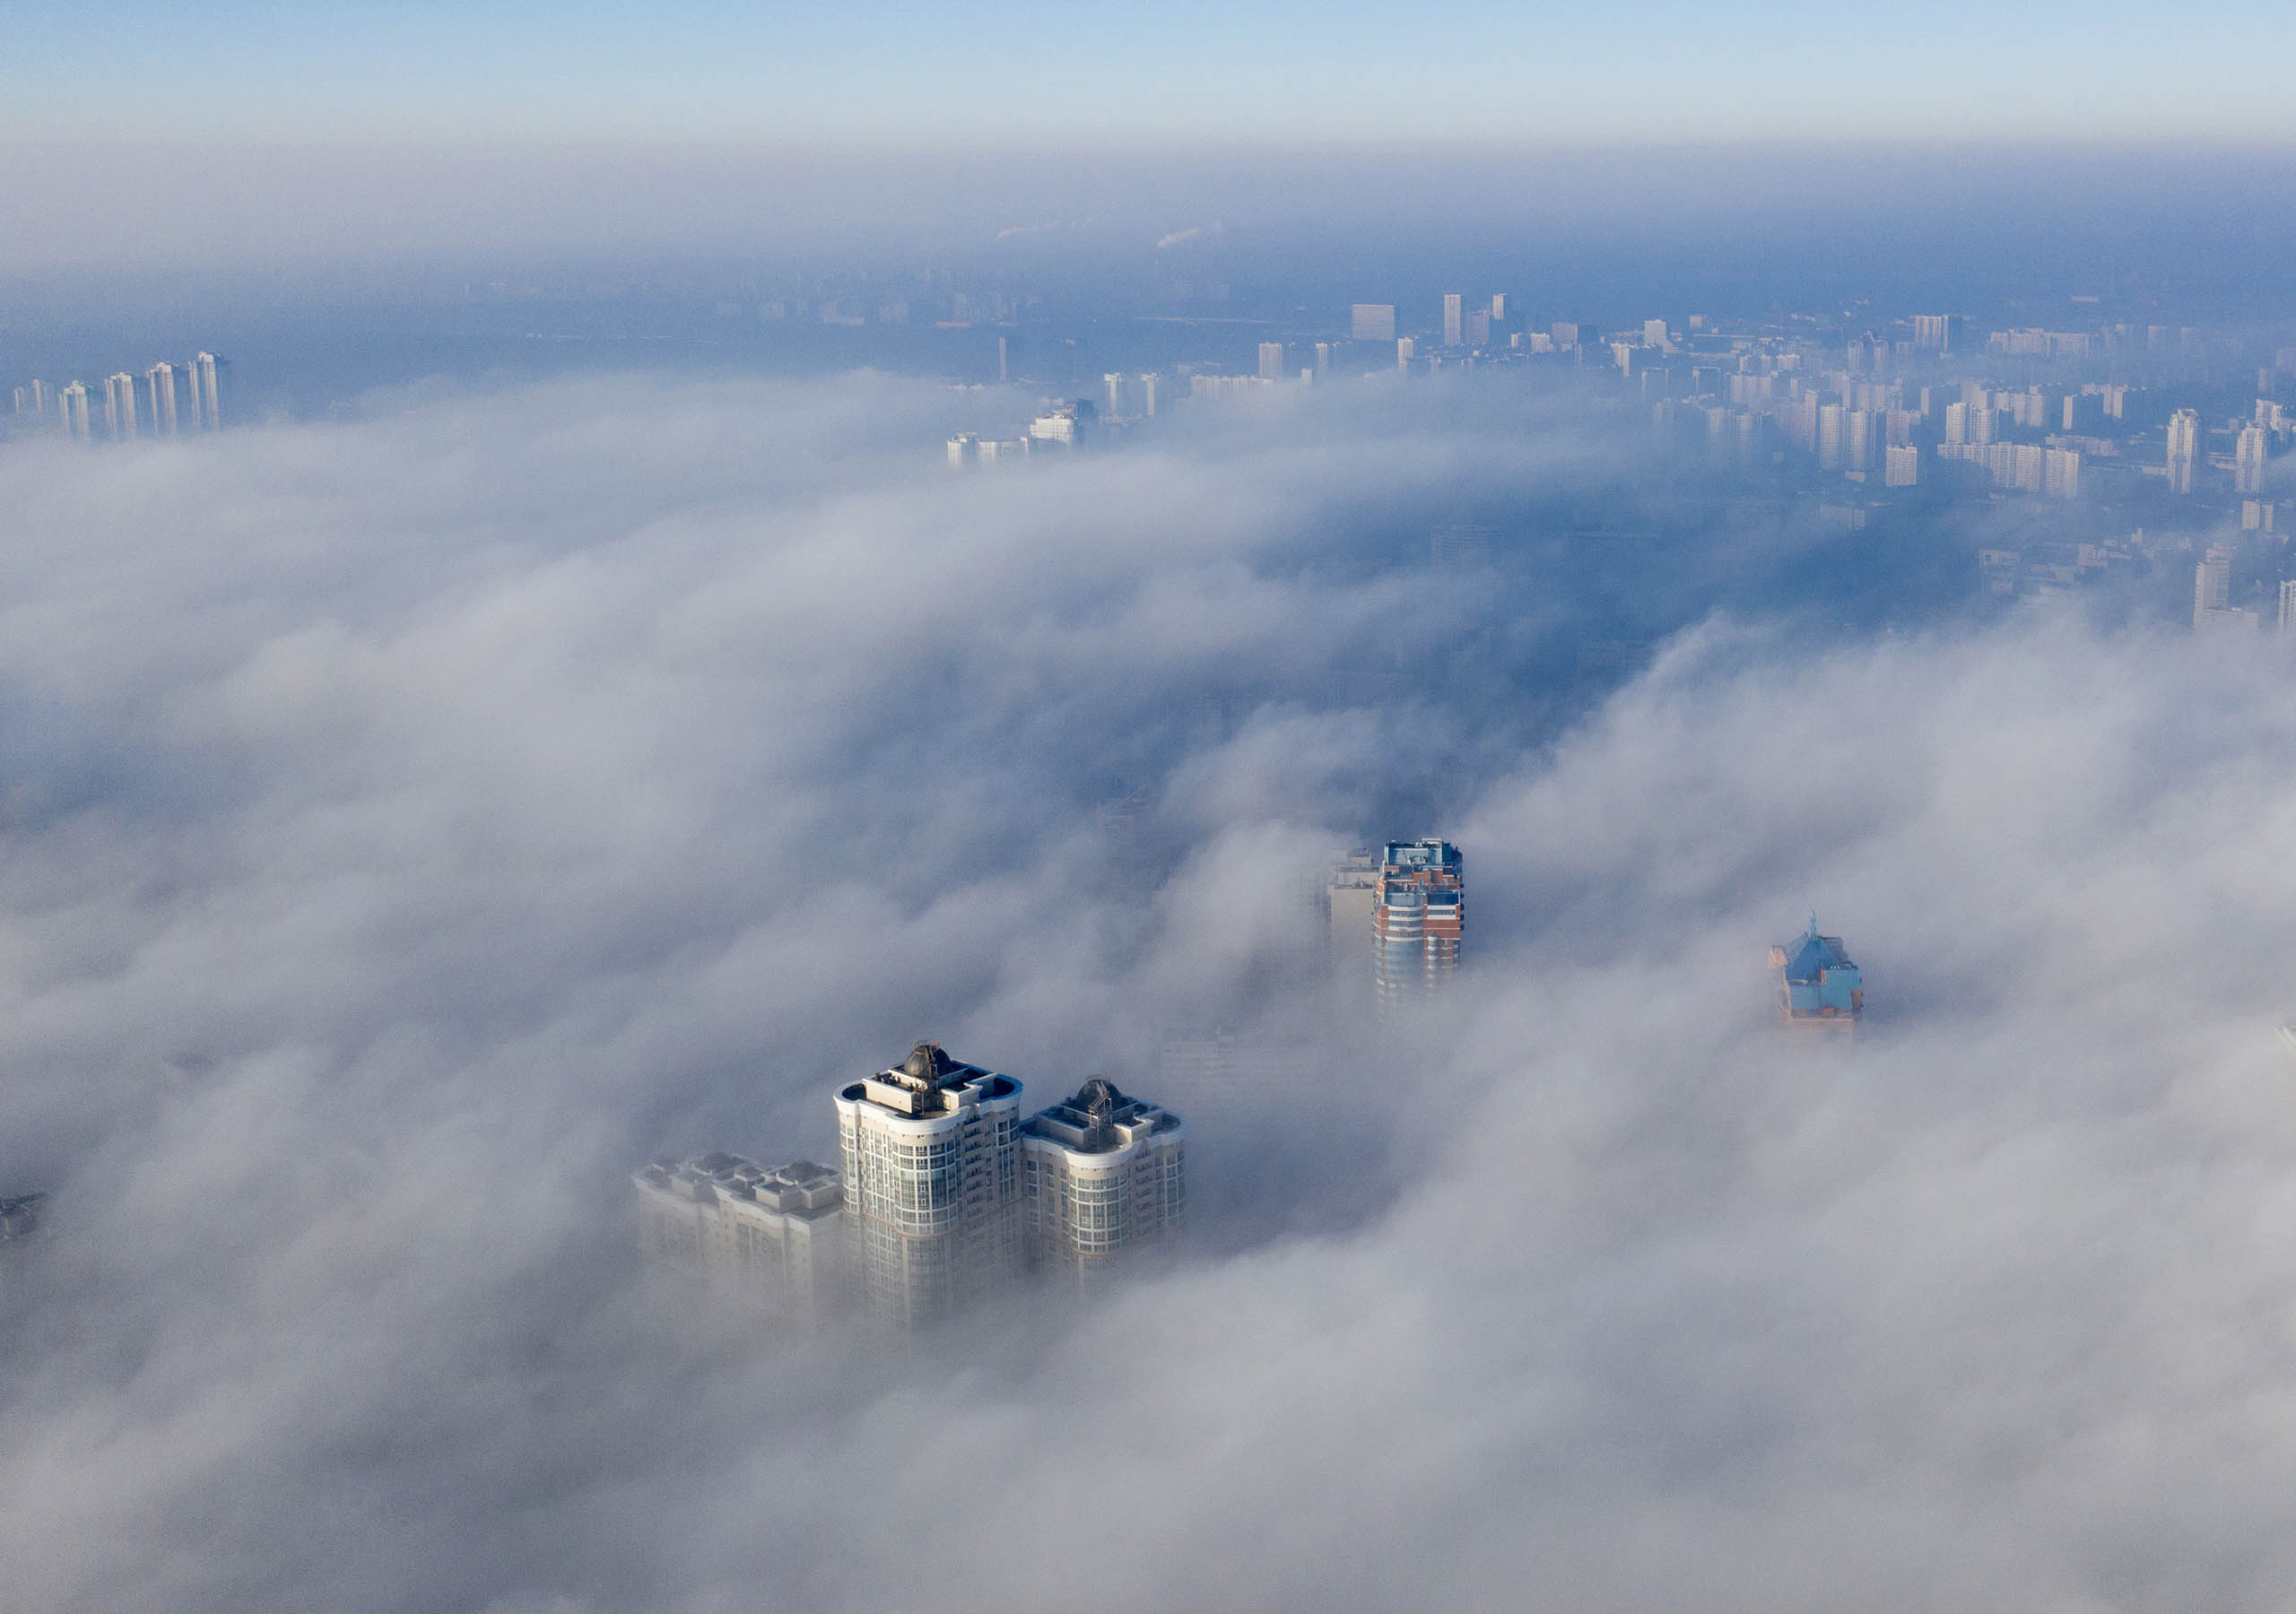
x=881, y=73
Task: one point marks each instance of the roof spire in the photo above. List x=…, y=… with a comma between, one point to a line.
x=1813, y=921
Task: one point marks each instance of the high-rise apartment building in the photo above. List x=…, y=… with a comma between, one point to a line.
x=119, y=406
x=1818, y=986
x=2212, y=584
x=2184, y=449
x=1830, y=437
x=1654, y=336
x=1373, y=322
x=71, y=410
x=769, y=1242
x=2249, y=452
x=1271, y=362
x=160, y=384
x=1933, y=332
x=1418, y=914
x=1149, y=381
x=1070, y=423
x=34, y=398
x=1901, y=465
x=1453, y=318
x=209, y=376
x=1858, y=441
x=1102, y=1177
x=2288, y=606
x=932, y=1156
x=1350, y=896
x=2061, y=472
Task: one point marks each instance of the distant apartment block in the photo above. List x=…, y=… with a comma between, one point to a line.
x=770, y=1242
x=71, y=407
x=1350, y=896
x=932, y=1159
x=160, y=388
x=1067, y=421
x=2213, y=610
x=2061, y=472
x=1818, y=986
x=1934, y=332
x=2212, y=583
x=2184, y=449
x=1373, y=322
x=2249, y=451
x=1102, y=1180
x=119, y=406
x=1418, y=917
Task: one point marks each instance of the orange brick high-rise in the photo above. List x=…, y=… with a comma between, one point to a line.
x=1417, y=915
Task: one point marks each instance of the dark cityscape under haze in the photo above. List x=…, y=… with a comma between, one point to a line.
x=1493, y=822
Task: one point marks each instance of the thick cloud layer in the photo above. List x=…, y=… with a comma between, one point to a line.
x=412, y=824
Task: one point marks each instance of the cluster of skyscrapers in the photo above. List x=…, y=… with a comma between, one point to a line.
x=166, y=401
x=947, y=1194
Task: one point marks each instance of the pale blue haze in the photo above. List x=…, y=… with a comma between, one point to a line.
x=877, y=73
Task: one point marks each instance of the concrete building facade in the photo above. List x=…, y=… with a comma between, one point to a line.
x=1418, y=917
x=932, y=1159
x=1103, y=1179
x=770, y=1242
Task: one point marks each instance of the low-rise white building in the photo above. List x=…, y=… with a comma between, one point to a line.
x=770, y=1242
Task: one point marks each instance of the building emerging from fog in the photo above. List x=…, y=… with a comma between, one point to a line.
x=1350, y=894
x=1817, y=984
x=2184, y=449
x=932, y=1185
x=945, y=1196
x=1102, y=1175
x=1418, y=912
x=771, y=1242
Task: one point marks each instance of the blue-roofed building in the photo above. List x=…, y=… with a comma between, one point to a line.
x=1817, y=984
